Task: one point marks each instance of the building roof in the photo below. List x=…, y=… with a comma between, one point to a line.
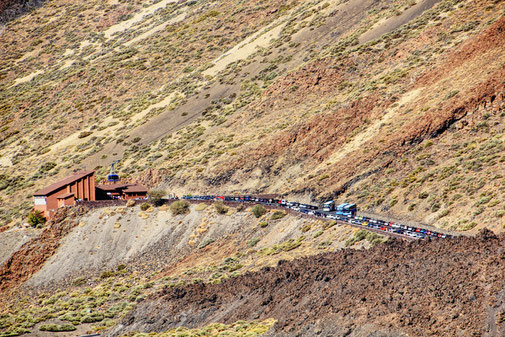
x=66, y=196
x=135, y=189
x=62, y=183
x=125, y=188
x=112, y=187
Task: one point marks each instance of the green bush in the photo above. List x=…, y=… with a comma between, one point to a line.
x=145, y=206
x=278, y=215
x=220, y=207
x=205, y=243
x=363, y=234
x=251, y=243
x=106, y=274
x=57, y=327
x=263, y=224
x=84, y=134
x=286, y=246
x=156, y=196
x=258, y=210
x=306, y=228
x=423, y=195
x=14, y=332
x=36, y=219
x=329, y=224
x=179, y=207
x=92, y=318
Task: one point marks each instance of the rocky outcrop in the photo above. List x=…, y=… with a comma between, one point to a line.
x=422, y=288
x=10, y=9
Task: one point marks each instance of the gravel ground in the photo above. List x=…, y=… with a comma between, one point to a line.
x=13, y=239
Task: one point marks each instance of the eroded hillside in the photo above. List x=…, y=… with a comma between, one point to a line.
x=88, y=269
x=395, y=105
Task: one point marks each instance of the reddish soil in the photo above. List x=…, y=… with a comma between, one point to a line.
x=32, y=255
x=311, y=141
x=420, y=289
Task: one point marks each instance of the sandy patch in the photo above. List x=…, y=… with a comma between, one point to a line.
x=245, y=48
x=122, y=26
x=27, y=78
x=156, y=29
x=5, y=162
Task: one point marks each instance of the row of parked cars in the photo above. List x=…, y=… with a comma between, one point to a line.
x=339, y=214
x=415, y=232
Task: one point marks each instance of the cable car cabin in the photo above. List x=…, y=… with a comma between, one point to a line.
x=113, y=177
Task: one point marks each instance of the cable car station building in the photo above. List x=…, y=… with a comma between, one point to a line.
x=80, y=186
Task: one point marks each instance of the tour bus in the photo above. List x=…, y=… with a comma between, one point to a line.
x=329, y=206
x=346, y=209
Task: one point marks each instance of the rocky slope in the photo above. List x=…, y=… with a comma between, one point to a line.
x=395, y=105
x=397, y=289
x=112, y=258
x=10, y=9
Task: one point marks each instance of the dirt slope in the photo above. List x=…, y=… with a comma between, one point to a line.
x=12, y=240
x=32, y=255
x=153, y=241
x=419, y=289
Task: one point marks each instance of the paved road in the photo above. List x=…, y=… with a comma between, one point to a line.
x=381, y=226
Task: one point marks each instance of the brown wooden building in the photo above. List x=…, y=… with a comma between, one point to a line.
x=79, y=186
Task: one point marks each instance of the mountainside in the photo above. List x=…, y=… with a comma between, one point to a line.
x=90, y=268
x=378, y=292
x=395, y=105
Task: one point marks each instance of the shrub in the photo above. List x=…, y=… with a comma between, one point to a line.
x=156, y=196
x=57, y=327
x=278, y=215
x=84, y=134
x=92, y=318
x=363, y=234
x=263, y=224
x=205, y=243
x=106, y=274
x=423, y=195
x=306, y=228
x=258, y=210
x=36, y=219
x=220, y=207
x=329, y=224
x=130, y=203
x=179, y=207
x=145, y=206
x=200, y=207
x=286, y=246
x=47, y=167
x=251, y=243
